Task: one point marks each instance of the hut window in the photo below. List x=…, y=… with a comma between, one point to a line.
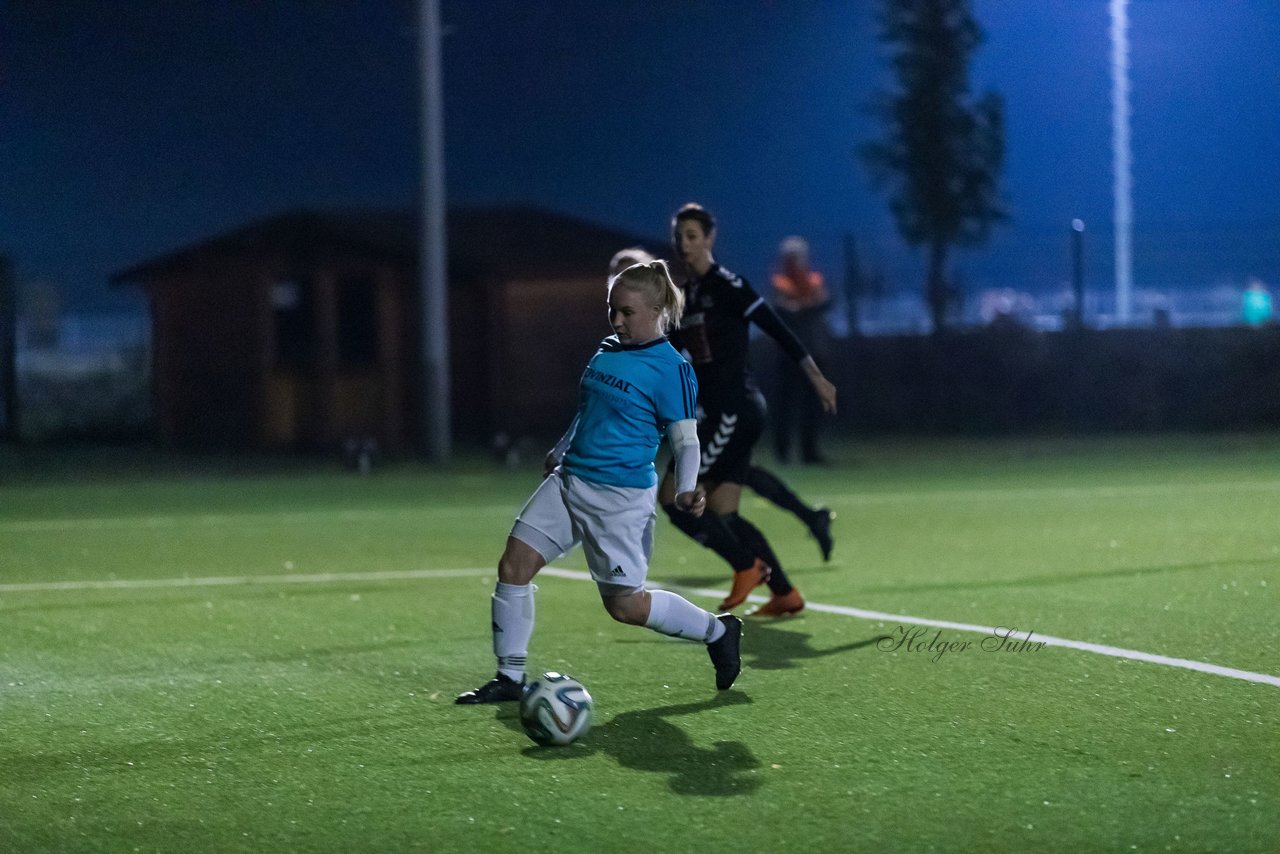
x=357, y=322
x=293, y=312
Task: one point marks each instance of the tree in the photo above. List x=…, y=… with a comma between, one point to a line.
x=942, y=153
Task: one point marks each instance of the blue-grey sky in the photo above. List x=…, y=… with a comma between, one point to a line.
x=133, y=128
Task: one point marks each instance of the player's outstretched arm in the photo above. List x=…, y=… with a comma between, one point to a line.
x=767, y=319
x=824, y=388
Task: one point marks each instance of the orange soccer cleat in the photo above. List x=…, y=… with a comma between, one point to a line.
x=744, y=581
x=787, y=605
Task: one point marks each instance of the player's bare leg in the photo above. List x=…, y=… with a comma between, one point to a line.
x=672, y=615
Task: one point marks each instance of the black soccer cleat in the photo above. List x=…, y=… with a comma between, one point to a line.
x=725, y=653
x=820, y=528
x=499, y=689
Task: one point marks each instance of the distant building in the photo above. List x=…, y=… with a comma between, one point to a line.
x=304, y=329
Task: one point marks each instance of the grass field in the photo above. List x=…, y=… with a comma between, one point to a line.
x=256, y=655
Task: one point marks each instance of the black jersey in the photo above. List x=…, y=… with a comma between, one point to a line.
x=715, y=331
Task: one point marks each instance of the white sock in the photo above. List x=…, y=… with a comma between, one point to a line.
x=676, y=616
x=512, y=611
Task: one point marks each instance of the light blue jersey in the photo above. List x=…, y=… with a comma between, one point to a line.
x=628, y=396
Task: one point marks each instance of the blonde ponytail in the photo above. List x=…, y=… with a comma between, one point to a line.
x=653, y=280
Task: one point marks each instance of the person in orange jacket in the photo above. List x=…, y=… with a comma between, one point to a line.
x=801, y=299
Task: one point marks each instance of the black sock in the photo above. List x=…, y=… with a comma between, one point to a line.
x=771, y=489
x=753, y=539
x=711, y=531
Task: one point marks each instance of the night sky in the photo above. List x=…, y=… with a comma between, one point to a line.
x=131, y=128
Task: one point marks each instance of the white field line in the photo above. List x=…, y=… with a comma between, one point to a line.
x=34, y=526
x=1137, y=490
x=214, y=520
x=993, y=631
x=242, y=580
x=578, y=575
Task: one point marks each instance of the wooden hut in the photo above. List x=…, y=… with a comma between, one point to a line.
x=304, y=329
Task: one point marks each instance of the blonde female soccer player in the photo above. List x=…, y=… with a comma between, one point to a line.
x=601, y=489
x=759, y=480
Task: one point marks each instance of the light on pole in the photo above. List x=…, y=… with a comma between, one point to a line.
x=1077, y=273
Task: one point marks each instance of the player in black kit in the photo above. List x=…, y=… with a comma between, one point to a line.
x=759, y=480
x=714, y=331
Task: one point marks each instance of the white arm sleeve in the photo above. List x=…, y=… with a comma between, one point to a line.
x=683, y=436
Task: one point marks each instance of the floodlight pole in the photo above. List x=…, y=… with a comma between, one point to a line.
x=432, y=264
x=1122, y=158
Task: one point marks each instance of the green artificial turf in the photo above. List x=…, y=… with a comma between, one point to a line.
x=237, y=690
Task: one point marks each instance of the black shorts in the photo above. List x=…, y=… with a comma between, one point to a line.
x=726, y=436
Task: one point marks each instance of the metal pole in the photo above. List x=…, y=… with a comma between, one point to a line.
x=8, y=350
x=433, y=272
x=1077, y=271
x=852, y=284
x=1122, y=158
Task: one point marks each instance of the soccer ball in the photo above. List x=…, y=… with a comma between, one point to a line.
x=555, y=709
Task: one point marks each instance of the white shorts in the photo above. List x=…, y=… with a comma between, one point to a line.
x=614, y=524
